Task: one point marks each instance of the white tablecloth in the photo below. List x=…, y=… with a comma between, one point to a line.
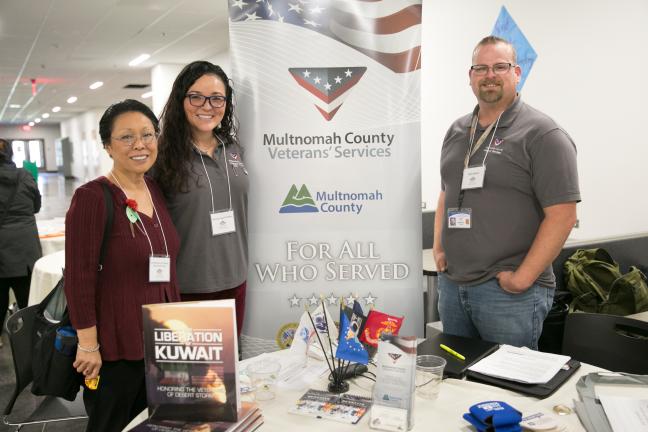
x=443, y=414
x=52, y=235
x=47, y=272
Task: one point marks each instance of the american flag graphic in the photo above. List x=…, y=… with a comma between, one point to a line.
x=388, y=31
x=329, y=86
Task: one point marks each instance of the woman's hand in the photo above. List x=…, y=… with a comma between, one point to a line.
x=87, y=363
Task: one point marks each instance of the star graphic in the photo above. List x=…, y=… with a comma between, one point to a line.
x=306, y=73
x=294, y=301
x=327, y=86
x=280, y=18
x=239, y=4
x=252, y=17
x=312, y=23
x=317, y=10
x=369, y=300
x=294, y=7
x=270, y=10
x=313, y=300
x=332, y=300
x=338, y=80
x=348, y=73
x=349, y=300
x=317, y=80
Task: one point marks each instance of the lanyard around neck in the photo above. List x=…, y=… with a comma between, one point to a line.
x=473, y=129
x=157, y=216
x=211, y=190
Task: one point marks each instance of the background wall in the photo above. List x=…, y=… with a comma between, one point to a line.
x=589, y=76
x=89, y=160
x=48, y=133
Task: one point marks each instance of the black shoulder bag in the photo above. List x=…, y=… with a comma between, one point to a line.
x=52, y=370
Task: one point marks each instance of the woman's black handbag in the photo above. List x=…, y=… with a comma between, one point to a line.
x=52, y=368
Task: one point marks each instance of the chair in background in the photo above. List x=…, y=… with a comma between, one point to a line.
x=50, y=409
x=612, y=342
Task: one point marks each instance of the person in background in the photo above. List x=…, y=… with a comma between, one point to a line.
x=106, y=306
x=19, y=243
x=507, y=204
x=203, y=176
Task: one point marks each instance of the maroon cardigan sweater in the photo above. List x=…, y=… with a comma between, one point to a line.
x=112, y=299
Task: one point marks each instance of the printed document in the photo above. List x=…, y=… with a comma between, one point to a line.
x=521, y=364
x=626, y=414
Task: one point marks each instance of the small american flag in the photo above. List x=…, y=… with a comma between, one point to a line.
x=388, y=31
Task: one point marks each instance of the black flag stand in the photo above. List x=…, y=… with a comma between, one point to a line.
x=337, y=383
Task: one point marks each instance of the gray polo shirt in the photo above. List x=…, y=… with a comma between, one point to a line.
x=530, y=165
x=209, y=263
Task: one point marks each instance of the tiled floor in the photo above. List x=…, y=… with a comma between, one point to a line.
x=56, y=192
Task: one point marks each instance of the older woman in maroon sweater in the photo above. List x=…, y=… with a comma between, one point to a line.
x=106, y=306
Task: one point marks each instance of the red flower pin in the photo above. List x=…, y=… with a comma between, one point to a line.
x=131, y=203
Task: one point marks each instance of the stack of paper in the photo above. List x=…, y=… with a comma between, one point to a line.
x=613, y=402
x=521, y=364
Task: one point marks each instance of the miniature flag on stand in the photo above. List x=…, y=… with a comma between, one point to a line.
x=305, y=340
x=377, y=324
x=349, y=346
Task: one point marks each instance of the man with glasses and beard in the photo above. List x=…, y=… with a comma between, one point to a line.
x=509, y=188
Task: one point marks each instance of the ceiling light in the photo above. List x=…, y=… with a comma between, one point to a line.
x=45, y=115
x=14, y=106
x=56, y=109
x=37, y=120
x=72, y=99
x=139, y=59
x=31, y=123
x=147, y=95
x=96, y=85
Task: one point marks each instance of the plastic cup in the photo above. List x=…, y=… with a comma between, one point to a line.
x=429, y=373
x=263, y=378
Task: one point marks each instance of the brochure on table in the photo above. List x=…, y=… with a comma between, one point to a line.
x=345, y=408
x=191, y=358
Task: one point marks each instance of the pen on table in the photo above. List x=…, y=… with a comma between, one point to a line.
x=451, y=351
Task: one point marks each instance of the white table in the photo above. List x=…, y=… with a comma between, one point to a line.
x=46, y=273
x=52, y=234
x=443, y=414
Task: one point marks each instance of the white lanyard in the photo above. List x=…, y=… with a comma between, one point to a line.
x=143, y=229
x=211, y=191
x=482, y=138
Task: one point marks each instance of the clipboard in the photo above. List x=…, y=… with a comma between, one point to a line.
x=540, y=391
x=473, y=349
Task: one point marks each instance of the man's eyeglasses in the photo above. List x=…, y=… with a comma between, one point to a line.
x=129, y=140
x=200, y=100
x=498, y=68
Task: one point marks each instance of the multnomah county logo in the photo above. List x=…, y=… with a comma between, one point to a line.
x=328, y=87
x=298, y=201
x=327, y=201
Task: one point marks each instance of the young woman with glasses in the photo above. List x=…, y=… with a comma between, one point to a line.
x=203, y=176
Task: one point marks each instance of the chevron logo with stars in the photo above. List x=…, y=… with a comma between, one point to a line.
x=329, y=87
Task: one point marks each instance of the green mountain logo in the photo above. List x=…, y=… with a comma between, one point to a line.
x=298, y=201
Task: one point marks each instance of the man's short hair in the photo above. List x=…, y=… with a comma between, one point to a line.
x=493, y=40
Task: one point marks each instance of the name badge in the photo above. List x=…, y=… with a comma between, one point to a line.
x=222, y=222
x=459, y=218
x=473, y=177
x=159, y=268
